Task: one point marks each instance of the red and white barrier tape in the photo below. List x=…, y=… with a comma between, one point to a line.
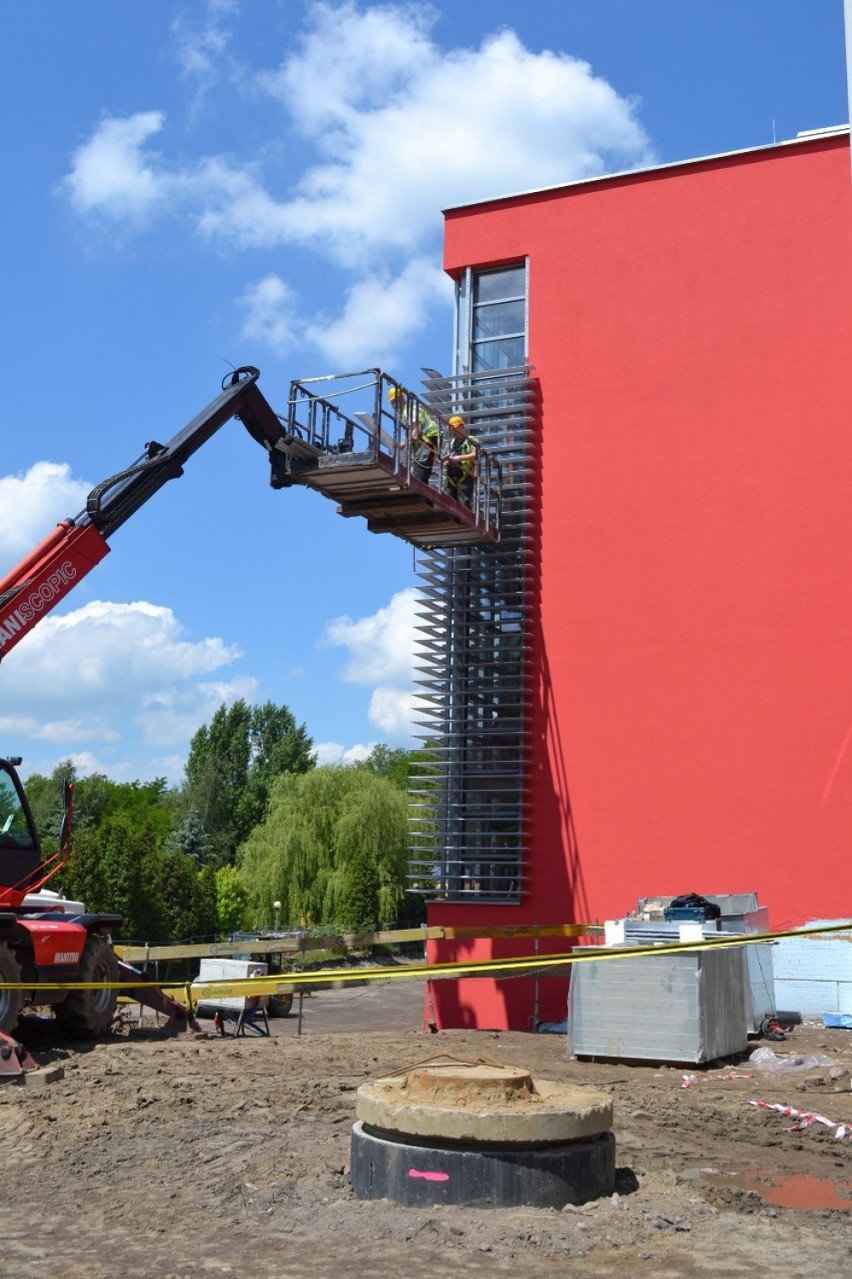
x=690, y=1080
x=805, y=1118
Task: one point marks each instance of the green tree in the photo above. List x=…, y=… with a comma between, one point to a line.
x=141, y=804
x=232, y=901
x=114, y=869
x=190, y=838
x=394, y=763
x=359, y=894
x=179, y=892
x=333, y=848
x=117, y=869
x=208, y=912
x=45, y=799
x=231, y=765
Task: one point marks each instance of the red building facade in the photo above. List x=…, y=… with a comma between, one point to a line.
x=690, y=712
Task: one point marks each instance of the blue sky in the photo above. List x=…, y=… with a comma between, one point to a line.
x=194, y=186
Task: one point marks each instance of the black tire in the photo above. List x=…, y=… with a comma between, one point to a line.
x=10, y=1000
x=89, y=1012
x=279, y=1006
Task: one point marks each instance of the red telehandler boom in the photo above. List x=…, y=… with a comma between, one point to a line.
x=43, y=949
x=56, y=565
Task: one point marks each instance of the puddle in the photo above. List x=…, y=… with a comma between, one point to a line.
x=802, y=1192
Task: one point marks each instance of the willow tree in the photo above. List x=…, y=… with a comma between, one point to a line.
x=332, y=850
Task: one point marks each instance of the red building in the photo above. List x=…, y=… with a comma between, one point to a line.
x=687, y=618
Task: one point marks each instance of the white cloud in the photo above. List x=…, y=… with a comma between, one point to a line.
x=335, y=753
x=392, y=710
x=271, y=316
x=33, y=502
x=381, y=649
x=437, y=127
x=171, y=714
x=118, y=769
x=201, y=45
x=111, y=174
x=381, y=315
x=135, y=675
x=66, y=730
x=86, y=763
x=120, y=654
x=133, y=667
x=381, y=646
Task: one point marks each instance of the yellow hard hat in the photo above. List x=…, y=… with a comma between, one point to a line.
x=394, y=392
x=457, y=420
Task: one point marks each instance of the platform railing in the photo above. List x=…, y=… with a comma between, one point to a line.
x=376, y=422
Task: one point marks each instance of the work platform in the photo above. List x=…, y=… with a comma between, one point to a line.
x=361, y=459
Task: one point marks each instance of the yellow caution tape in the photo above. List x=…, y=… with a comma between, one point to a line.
x=208, y=991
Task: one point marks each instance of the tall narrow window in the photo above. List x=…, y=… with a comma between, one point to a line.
x=492, y=319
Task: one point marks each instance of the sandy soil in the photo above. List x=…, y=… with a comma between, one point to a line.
x=168, y=1159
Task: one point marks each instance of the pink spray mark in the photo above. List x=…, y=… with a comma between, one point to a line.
x=429, y=1176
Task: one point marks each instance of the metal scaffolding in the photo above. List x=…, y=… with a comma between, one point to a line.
x=468, y=824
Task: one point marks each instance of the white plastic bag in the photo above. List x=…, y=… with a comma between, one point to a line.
x=766, y=1059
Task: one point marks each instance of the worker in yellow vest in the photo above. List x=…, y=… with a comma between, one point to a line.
x=460, y=461
x=423, y=434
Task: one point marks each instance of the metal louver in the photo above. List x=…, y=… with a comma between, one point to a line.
x=468, y=825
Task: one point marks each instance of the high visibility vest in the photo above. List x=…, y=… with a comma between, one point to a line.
x=463, y=453
x=427, y=430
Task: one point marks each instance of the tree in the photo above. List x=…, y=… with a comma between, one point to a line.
x=232, y=763
x=208, y=913
x=391, y=762
x=359, y=894
x=182, y=899
x=114, y=869
x=141, y=804
x=117, y=868
x=232, y=901
x=191, y=838
x=333, y=848
x=45, y=799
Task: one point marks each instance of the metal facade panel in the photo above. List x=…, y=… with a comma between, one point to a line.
x=687, y=1008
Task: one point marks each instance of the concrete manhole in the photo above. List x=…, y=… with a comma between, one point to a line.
x=483, y=1134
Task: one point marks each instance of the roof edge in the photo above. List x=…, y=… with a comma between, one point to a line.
x=801, y=139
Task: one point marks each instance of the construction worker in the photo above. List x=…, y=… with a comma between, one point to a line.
x=460, y=461
x=423, y=434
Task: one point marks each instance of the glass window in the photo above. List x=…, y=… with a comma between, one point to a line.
x=499, y=319
x=497, y=355
x=14, y=827
x=492, y=319
x=494, y=286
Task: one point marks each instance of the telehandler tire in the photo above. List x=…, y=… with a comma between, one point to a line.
x=89, y=1012
x=10, y=1000
x=279, y=1006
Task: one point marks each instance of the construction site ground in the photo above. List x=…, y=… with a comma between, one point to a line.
x=174, y=1159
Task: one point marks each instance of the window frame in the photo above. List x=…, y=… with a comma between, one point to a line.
x=466, y=345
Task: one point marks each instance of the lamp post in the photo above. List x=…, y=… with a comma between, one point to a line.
x=276, y=906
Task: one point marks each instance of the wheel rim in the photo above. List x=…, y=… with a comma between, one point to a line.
x=8, y=1005
x=10, y=1000
x=101, y=999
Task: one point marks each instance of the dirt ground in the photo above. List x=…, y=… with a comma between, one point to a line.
x=173, y=1159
